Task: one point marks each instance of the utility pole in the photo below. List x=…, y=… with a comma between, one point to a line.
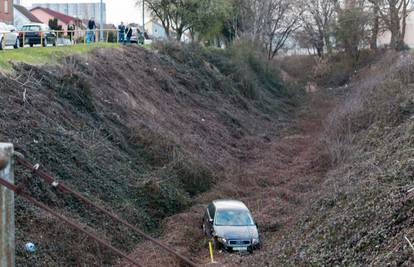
x=101, y=32
x=7, y=241
x=143, y=19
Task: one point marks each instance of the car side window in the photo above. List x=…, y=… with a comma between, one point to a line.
x=211, y=211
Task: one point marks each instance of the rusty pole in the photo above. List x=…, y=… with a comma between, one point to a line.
x=7, y=241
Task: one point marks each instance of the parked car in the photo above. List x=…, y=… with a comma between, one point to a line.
x=138, y=38
x=36, y=33
x=231, y=226
x=8, y=36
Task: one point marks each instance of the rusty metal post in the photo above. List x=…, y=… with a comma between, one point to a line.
x=7, y=241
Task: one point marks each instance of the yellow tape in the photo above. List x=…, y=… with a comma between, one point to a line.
x=211, y=251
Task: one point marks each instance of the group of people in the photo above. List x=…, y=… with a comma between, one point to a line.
x=126, y=32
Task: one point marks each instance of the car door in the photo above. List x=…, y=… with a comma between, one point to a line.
x=11, y=35
x=211, y=212
x=3, y=32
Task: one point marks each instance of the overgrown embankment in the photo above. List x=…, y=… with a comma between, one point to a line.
x=366, y=207
x=140, y=132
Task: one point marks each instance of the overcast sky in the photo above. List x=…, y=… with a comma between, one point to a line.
x=116, y=10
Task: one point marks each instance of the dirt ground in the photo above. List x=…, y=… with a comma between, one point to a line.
x=277, y=180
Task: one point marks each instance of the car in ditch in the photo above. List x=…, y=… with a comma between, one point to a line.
x=231, y=226
x=8, y=36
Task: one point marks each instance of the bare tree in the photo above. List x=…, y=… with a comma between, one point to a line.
x=351, y=28
x=394, y=15
x=161, y=10
x=318, y=18
x=283, y=20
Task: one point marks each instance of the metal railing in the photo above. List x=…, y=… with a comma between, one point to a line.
x=67, y=37
x=21, y=190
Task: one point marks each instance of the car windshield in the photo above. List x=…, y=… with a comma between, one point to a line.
x=233, y=218
x=31, y=28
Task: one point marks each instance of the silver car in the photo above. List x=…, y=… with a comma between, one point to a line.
x=8, y=36
x=231, y=225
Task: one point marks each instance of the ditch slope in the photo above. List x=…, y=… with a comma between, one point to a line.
x=142, y=133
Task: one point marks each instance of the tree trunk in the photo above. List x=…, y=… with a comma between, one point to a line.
x=404, y=19
x=375, y=29
x=179, y=35
x=328, y=43
x=395, y=28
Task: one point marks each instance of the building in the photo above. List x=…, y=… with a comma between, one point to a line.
x=6, y=11
x=23, y=16
x=155, y=29
x=46, y=14
x=83, y=11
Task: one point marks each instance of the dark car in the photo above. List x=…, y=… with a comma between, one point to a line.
x=35, y=34
x=231, y=225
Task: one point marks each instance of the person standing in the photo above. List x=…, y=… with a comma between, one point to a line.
x=71, y=31
x=121, y=32
x=91, y=30
x=128, y=34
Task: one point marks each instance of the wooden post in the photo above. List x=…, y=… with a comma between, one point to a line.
x=7, y=241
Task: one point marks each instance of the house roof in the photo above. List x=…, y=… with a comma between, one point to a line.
x=154, y=21
x=25, y=12
x=60, y=16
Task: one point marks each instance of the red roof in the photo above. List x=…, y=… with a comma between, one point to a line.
x=60, y=16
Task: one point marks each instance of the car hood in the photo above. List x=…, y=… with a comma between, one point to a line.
x=236, y=232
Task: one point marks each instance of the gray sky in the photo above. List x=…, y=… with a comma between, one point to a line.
x=116, y=10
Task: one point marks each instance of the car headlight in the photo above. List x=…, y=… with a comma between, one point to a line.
x=255, y=241
x=222, y=240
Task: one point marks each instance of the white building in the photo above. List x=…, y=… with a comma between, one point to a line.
x=155, y=29
x=23, y=16
x=83, y=11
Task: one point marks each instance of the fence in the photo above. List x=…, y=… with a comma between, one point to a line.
x=65, y=37
x=7, y=204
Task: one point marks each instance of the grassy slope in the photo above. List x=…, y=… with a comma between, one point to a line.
x=40, y=55
x=140, y=132
x=366, y=213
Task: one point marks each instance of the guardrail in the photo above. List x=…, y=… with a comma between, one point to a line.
x=8, y=189
x=67, y=37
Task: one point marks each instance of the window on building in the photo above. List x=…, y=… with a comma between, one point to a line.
x=6, y=6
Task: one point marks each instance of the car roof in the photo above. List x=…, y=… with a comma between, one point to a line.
x=229, y=204
x=34, y=24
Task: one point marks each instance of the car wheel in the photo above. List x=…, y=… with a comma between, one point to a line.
x=17, y=44
x=31, y=45
x=216, y=244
